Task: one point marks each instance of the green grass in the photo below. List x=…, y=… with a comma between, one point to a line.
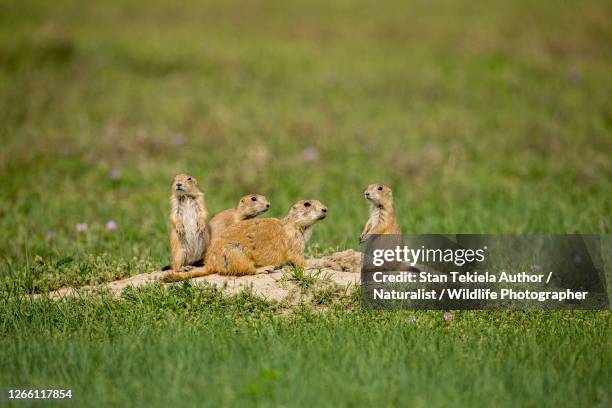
x=484, y=117
x=196, y=347
x=302, y=279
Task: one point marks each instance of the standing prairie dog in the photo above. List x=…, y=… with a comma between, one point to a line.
x=269, y=242
x=249, y=206
x=189, y=236
x=382, y=216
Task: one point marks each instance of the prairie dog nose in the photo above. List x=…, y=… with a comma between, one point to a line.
x=179, y=184
x=367, y=194
x=324, y=209
x=267, y=205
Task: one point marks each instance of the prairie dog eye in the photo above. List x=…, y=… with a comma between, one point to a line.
x=307, y=204
x=188, y=178
x=380, y=188
x=253, y=198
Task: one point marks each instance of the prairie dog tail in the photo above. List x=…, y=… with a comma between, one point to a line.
x=181, y=276
x=196, y=263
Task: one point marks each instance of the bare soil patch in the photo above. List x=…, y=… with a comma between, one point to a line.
x=338, y=272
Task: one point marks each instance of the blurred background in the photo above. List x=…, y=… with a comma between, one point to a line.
x=482, y=116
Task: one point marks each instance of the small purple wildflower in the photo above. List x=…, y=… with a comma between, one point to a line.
x=81, y=227
x=574, y=74
x=111, y=225
x=310, y=154
x=448, y=317
x=115, y=174
x=411, y=319
x=535, y=268
x=50, y=235
x=577, y=259
x=179, y=139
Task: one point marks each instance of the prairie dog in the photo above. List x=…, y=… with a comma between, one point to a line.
x=189, y=236
x=250, y=244
x=382, y=216
x=249, y=206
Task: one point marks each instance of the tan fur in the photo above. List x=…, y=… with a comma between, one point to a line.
x=251, y=244
x=249, y=206
x=189, y=236
x=382, y=218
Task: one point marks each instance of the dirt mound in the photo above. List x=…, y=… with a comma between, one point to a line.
x=336, y=271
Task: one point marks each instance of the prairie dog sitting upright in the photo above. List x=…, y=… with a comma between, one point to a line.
x=249, y=206
x=189, y=236
x=269, y=242
x=382, y=215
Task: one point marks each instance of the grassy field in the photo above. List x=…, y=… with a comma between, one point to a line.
x=484, y=117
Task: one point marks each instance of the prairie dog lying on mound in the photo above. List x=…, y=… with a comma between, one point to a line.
x=250, y=244
x=189, y=236
x=249, y=206
x=382, y=216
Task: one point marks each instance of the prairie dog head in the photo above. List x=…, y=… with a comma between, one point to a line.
x=250, y=206
x=379, y=195
x=185, y=185
x=305, y=213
